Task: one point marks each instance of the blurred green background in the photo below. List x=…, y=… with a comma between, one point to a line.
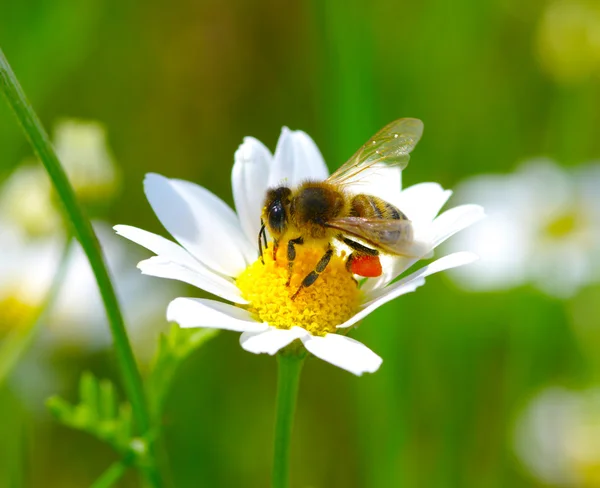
x=179, y=85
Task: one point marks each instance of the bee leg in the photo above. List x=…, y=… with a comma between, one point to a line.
x=291, y=255
x=262, y=233
x=311, y=277
x=358, y=250
x=349, y=262
x=265, y=238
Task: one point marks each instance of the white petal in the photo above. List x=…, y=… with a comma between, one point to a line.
x=157, y=244
x=455, y=220
x=200, y=222
x=447, y=262
x=271, y=340
x=198, y=312
x=409, y=284
x=296, y=159
x=174, y=262
x=444, y=227
x=392, y=267
x=407, y=287
x=209, y=281
x=310, y=163
x=422, y=202
x=282, y=170
x=343, y=352
x=249, y=180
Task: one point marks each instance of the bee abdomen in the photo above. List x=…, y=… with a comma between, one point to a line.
x=369, y=206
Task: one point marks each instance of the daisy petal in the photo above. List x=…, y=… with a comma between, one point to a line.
x=310, y=164
x=296, y=159
x=157, y=244
x=383, y=299
x=444, y=227
x=455, y=220
x=422, y=202
x=343, y=352
x=209, y=281
x=283, y=162
x=447, y=262
x=200, y=222
x=249, y=183
x=410, y=283
x=271, y=340
x=198, y=312
x=174, y=262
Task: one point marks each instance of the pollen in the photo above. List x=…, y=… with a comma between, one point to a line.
x=331, y=300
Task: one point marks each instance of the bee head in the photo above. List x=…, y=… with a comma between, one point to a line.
x=275, y=210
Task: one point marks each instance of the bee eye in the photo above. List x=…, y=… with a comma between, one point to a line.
x=277, y=217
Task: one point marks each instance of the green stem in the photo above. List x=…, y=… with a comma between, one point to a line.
x=112, y=474
x=15, y=345
x=82, y=229
x=290, y=366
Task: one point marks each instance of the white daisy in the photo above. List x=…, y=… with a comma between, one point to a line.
x=558, y=437
x=32, y=239
x=217, y=251
x=26, y=271
x=541, y=229
x=76, y=317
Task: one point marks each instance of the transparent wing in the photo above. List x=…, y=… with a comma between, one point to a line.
x=390, y=147
x=389, y=236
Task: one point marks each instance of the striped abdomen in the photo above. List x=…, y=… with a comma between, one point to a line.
x=372, y=207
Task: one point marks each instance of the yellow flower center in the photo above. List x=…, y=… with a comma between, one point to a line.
x=15, y=313
x=562, y=225
x=331, y=300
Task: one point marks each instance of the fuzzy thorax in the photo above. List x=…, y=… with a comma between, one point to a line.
x=330, y=301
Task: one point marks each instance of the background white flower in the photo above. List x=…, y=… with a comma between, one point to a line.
x=542, y=228
x=216, y=247
x=82, y=147
x=557, y=437
x=32, y=239
x=26, y=202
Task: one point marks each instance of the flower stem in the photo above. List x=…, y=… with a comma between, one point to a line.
x=82, y=229
x=288, y=378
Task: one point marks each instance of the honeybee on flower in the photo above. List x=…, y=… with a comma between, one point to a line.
x=217, y=249
x=320, y=212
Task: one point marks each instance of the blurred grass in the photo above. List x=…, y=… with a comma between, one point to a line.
x=179, y=87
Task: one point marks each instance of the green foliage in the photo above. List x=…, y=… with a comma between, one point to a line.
x=173, y=348
x=98, y=413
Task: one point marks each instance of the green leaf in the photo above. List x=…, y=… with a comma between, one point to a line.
x=108, y=400
x=60, y=409
x=88, y=393
x=97, y=413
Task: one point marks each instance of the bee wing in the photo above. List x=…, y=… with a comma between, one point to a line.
x=389, y=236
x=390, y=147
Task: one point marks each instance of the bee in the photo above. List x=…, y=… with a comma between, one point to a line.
x=321, y=212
